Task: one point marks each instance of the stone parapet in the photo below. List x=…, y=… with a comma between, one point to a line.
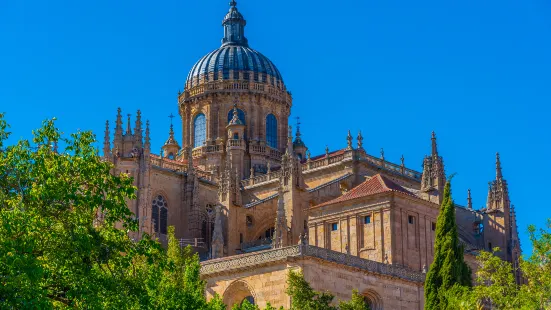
x=247, y=261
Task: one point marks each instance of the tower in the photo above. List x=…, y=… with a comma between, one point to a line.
x=433, y=179
x=299, y=147
x=171, y=147
x=500, y=227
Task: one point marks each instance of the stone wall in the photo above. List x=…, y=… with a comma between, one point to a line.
x=263, y=276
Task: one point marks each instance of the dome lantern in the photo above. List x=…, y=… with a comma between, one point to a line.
x=234, y=27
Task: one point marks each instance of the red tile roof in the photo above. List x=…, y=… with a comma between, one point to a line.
x=375, y=185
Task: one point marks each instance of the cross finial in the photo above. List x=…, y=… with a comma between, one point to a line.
x=233, y=3
x=171, y=116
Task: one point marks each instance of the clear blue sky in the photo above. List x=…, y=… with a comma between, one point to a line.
x=476, y=72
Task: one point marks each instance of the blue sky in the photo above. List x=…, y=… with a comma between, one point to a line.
x=476, y=72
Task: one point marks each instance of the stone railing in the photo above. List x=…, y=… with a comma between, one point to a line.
x=167, y=163
x=236, y=143
x=257, y=148
x=274, y=153
x=261, y=178
x=237, y=85
x=372, y=160
x=391, y=166
x=203, y=150
x=245, y=261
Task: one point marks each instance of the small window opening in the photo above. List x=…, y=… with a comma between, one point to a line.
x=433, y=226
x=411, y=219
x=367, y=219
x=334, y=227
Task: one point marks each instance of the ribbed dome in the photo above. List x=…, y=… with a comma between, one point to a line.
x=234, y=60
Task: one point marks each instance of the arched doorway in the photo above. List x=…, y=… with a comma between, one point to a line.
x=237, y=292
x=373, y=299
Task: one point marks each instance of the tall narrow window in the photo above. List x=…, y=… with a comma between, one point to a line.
x=159, y=214
x=199, y=130
x=271, y=131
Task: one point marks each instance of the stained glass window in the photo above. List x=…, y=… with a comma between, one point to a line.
x=271, y=131
x=199, y=130
x=159, y=214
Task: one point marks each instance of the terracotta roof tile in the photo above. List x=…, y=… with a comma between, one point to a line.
x=375, y=185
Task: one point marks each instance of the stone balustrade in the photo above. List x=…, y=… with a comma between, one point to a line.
x=167, y=163
x=246, y=261
x=206, y=149
x=261, y=178
x=236, y=143
x=251, y=86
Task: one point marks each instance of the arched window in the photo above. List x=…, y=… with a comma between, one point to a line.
x=159, y=214
x=199, y=130
x=271, y=131
x=171, y=156
x=240, y=114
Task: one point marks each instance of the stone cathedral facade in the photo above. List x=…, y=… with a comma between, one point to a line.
x=245, y=192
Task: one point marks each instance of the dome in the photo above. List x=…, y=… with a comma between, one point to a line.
x=234, y=60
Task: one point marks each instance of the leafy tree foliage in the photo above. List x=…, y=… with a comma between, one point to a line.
x=303, y=297
x=357, y=302
x=448, y=267
x=64, y=234
x=496, y=283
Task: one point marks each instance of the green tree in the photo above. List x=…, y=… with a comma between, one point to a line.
x=64, y=234
x=496, y=283
x=357, y=302
x=448, y=267
x=303, y=297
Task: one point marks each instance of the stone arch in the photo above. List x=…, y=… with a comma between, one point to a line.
x=236, y=292
x=261, y=225
x=373, y=299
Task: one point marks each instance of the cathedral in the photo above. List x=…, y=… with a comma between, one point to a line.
x=244, y=191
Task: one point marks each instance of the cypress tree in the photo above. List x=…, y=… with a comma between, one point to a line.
x=448, y=267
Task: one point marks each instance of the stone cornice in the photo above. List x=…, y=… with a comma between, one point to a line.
x=246, y=262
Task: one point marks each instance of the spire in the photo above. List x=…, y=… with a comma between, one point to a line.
x=147, y=144
x=128, y=129
x=118, y=126
x=349, y=141
x=290, y=141
x=382, y=154
x=234, y=27
x=280, y=233
x=171, y=139
x=360, y=140
x=106, y=143
x=298, y=129
x=434, y=146
x=138, y=128
x=499, y=175
x=469, y=200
